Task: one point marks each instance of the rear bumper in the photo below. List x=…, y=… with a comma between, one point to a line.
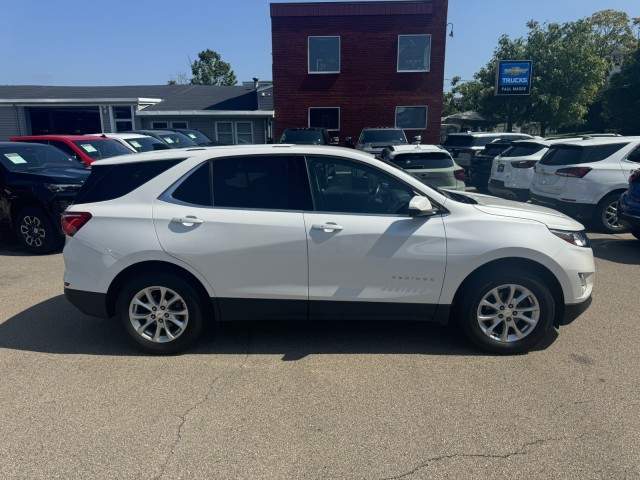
x=497, y=188
x=629, y=212
x=575, y=210
x=91, y=303
x=629, y=221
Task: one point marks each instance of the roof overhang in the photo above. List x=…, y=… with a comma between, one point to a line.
x=77, y=101
x=206, y=113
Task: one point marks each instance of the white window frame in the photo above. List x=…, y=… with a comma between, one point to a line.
x=426, y=117
x=234, y=131
x=318, y=71
x=316, y=126
x=237, y=134
x=428, y=59
x=114, y=126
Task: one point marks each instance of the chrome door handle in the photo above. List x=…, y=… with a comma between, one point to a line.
x=327, y=227
x=188, y=221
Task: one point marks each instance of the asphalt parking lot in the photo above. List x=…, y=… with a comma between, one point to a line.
x=316, y=401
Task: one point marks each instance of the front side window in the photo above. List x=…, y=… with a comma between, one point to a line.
x=341, y=186
x=411, y=117
x=634, y=155
x=324, y=54
x=324, y=117
x=414, y=53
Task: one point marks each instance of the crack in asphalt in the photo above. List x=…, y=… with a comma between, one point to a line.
x=183, y=417
x=425, y=464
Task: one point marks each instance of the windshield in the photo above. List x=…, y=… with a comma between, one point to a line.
x=177, y=140
x=523, y=149
x=302, y=137
x=99, y=149
x=198, y=137
x=34, y=156
x=391, y=136
x=147, y=144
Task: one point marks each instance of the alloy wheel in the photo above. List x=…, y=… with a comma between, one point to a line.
x=33, y=231
x=158, y=314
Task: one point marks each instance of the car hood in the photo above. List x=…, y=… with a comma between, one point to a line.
x=58, y=175
x=509, y=208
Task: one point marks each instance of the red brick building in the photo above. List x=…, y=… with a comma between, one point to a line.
x=349, y=65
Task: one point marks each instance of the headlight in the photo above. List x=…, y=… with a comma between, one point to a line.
x=574, y=238
x=62, y=187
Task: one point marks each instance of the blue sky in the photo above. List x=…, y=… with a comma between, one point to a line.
x=143, y=42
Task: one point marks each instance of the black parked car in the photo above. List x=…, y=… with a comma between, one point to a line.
x=307, y=136
x=480, y=166
x=197, y=136
x=37, y=183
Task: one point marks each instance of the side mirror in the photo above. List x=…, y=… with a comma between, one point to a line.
x=417, y=139
x=421, y=207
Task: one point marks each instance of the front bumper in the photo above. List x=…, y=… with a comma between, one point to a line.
x=573, y=311
x=91, y=303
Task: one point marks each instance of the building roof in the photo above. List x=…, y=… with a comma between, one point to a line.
x=160, y=97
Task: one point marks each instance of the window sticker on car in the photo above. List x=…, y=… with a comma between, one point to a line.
x=191, y=135
x=169, y=140
x=135, y=144
x=88, y=147
x=15, y=158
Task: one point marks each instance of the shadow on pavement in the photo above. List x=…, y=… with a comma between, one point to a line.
x=616, y=249
x=55, y=326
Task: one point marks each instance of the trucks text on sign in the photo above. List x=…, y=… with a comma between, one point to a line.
x=513, y=77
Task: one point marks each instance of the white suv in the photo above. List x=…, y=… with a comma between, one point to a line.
x=167, y=241
x=585, y=178
x=512, y=170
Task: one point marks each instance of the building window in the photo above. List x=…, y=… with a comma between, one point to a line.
x=324, y=54
x=123, y=118
x=414, y=53
x=159, y=125
x=324, y=117
x=179, y=124
x=411, y=117
x=234, y=133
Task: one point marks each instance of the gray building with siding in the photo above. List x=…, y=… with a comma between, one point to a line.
x=229, y=114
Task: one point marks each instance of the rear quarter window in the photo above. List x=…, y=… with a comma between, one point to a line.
x=108, y=182
x=576, y=154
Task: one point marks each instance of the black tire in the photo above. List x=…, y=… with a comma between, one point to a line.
x=180, y=308
x=494, y=328
x=605, y=216
x=35, y=231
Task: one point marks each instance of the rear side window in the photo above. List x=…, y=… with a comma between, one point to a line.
x=107, y=182
x=268, y=182
x=423, y=160
x=575, y=154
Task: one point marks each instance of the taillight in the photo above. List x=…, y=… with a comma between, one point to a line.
x=577, y=172
x=459, y=174
x=524, y=163
x=74, y=221
x=635, y=176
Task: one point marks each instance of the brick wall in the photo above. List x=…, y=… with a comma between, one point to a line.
x=368, y=88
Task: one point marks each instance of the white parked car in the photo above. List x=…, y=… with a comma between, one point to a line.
x=585, y=178
x=433, y=165
x=137, y=142
x=167, y=241
x=512, y=170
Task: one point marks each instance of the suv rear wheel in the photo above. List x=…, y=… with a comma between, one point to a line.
x=161, y=313
x=605, y=217
x=36, y=232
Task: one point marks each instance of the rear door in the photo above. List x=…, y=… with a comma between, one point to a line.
x=238, y=222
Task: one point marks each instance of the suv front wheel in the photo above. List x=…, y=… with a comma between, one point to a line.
x=161, y=313
x=507, y=313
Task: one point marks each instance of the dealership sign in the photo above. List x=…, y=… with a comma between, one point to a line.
x=513, y=77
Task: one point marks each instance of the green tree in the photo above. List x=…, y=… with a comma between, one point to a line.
x=209, y=69
x=611, y=30
x=622, y=98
